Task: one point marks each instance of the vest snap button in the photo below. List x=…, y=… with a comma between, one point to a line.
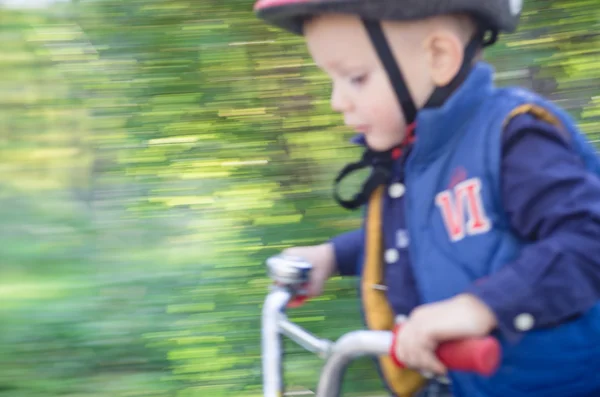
x=391, y=256
x=524, y=322
x=396, y=190
x=402, y=239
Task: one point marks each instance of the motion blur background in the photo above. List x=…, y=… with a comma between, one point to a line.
x=153, y=153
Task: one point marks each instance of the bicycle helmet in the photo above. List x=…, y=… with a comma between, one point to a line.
x=496, y=15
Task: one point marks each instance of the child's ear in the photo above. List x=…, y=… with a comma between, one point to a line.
x=446, y=52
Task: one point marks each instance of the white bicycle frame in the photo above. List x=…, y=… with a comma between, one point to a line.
x=290, y=275
x=337, y=355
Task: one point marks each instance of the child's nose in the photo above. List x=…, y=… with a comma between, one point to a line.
x=339, y=102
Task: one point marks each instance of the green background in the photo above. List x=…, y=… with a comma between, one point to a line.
x=153, y=154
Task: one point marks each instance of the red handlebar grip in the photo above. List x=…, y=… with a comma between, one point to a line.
x=480, y=355
x=297, y=301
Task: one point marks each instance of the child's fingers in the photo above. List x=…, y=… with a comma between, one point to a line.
x=421, y=354
x=418, y=352
x=427, y=361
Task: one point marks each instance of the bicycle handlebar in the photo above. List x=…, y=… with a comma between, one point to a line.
x=479, y=355
x=290, y=274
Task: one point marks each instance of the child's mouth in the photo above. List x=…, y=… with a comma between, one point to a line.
x=361, y=129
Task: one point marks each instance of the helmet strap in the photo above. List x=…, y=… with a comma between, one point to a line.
x=375, y=31
x=440, y=94
x=380, y=163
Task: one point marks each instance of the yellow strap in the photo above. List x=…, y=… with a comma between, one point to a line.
x=378, y=313
x=535, y=110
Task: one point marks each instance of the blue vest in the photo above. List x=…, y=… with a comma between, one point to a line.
x=458, y=156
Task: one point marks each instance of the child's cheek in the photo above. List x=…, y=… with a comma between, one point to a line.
x=387, y=117
x=378, y=114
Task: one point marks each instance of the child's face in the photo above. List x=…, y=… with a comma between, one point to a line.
x=361, y=90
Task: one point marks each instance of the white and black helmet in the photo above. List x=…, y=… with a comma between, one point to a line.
x=496, y=15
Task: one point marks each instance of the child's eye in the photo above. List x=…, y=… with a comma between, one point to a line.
x=358, y=80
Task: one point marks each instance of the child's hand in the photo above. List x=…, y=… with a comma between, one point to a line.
x=322, y=258
x=463, y=316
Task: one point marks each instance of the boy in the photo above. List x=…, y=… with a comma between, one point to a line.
x=493, y=191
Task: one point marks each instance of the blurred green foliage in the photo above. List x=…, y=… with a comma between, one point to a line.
x=153, y=153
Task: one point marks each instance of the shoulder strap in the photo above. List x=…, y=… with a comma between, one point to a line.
x=378, y=313
x=540, y=113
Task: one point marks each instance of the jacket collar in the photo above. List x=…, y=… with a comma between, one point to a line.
x=437, y=127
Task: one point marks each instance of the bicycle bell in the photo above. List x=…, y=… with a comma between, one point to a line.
x=288, y=271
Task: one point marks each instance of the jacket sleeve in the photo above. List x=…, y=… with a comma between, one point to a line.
x=553, y=203
x=347, y=247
